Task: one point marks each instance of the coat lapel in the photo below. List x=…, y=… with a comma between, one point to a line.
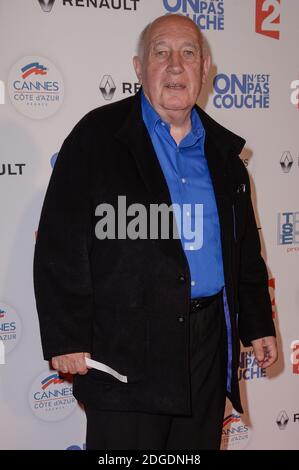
x=223, y=199
x=135, y=136
x=220, y=145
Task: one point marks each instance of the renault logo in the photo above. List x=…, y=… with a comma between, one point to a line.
x=286, y=162
x=107, y=87
x=46, y=6
x=282, y=420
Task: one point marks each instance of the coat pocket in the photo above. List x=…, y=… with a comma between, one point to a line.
x=122, y=347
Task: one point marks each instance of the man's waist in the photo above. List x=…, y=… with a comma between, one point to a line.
x=198, y=303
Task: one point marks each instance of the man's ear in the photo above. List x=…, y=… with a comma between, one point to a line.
x=138, y=68
x=205, y=68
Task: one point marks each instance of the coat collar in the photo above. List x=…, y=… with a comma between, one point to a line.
x=225, y=139
x=134, y=134
x=220, y=144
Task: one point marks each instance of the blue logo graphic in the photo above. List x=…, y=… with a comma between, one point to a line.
x=76, y=447
x=288, y=228
x=33, y=68
x=249, y=91
x=207, y=14
x=53, y=159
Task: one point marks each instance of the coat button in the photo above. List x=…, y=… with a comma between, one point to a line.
x=182, y=278
x=181, y=319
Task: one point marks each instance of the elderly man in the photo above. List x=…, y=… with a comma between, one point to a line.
x=161, y=316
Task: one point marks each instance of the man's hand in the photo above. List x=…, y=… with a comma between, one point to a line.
x=71, y=363
x=265, y=351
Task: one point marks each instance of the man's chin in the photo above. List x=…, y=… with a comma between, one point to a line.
x=175, y=102
x=175, y=105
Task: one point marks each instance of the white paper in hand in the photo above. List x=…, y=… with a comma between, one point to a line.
x=103, y=367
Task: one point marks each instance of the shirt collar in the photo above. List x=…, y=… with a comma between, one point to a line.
x=151, y=118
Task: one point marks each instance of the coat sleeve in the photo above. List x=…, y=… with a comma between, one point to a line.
x=62, y=277
x=255, y=310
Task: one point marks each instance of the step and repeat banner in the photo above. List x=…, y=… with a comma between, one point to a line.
x=60, y=59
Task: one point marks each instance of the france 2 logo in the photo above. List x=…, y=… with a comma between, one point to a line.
x=267, y=18
x=295, y=356
x=295, y=93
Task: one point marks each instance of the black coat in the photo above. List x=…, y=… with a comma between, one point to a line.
x=127, y=301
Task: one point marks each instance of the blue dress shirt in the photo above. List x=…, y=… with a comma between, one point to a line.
x=188, y=178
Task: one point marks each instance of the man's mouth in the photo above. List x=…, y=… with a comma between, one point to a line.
x=175, y=86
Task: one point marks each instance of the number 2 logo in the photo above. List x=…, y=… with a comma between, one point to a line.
x=295, y=93
x=267, y=20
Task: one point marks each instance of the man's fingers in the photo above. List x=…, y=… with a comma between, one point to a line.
x=81, y=367
x=265, y=351
x=271, y=354
x=72, y=369
x=60, y=365
x=267, y=363
x=258, y=350
x=71, y=363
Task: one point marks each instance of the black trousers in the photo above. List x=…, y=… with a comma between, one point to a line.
x=117, y=430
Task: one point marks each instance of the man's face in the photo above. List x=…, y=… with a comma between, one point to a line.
x=172, y=70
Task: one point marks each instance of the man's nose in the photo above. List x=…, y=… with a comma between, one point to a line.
x=175, y=63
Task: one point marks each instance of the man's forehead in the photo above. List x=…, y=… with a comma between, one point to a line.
x=181, y=41
x=188, y=36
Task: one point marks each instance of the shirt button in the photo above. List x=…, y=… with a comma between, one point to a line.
x=162, y=123
x=181, y=319
x=188, y=214
x=192, y=283
x=184, y=180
